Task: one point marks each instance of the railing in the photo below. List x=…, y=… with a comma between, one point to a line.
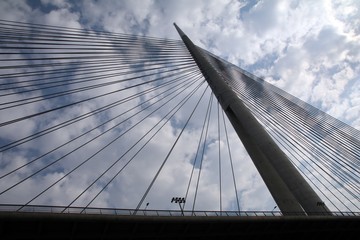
x=143, y=212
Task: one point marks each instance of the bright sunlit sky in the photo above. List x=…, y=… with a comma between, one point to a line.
x=309, y=48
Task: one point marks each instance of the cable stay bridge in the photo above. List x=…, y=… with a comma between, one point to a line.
x=107, y=135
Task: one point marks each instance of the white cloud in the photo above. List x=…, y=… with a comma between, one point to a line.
x=15, y=11
x=62, y=17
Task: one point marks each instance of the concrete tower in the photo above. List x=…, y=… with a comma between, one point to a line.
x=289, y=189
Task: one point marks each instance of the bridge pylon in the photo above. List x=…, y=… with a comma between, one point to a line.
x=290, y=190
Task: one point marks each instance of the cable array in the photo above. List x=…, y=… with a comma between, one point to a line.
x=98, y=119
x=325, y=150
x=82, y=112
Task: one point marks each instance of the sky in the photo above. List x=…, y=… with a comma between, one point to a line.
x=311, y=49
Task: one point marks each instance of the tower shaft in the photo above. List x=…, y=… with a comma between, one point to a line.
x=289, y=189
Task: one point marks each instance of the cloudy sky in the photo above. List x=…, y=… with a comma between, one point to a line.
x=310, y=49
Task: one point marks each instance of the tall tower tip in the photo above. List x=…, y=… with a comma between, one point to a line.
x=181, y=33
